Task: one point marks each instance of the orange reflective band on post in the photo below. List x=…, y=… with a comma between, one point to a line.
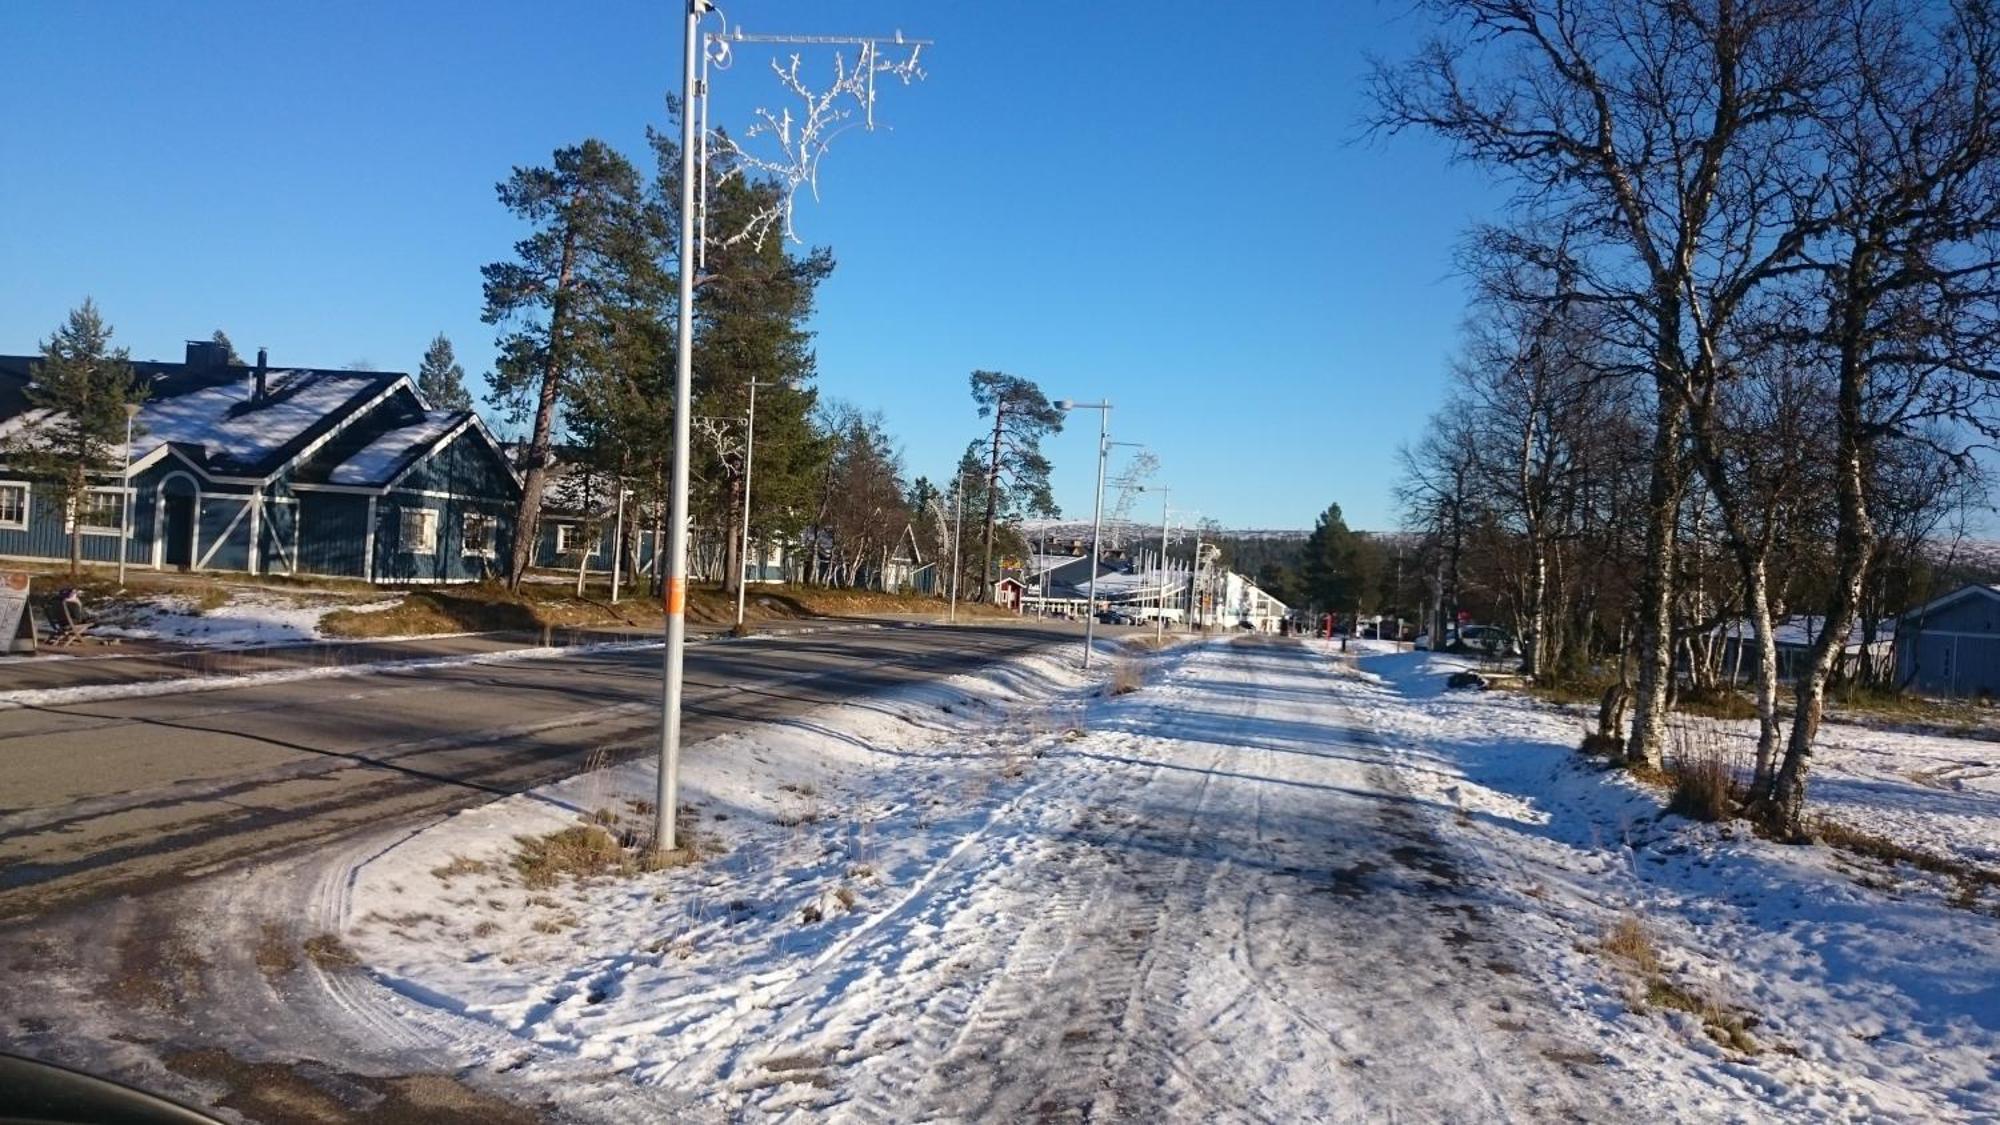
x=677, y=596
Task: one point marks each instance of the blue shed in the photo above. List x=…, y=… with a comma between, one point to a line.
x=1951, y=646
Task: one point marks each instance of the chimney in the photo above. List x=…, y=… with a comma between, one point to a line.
x=262, y=364
x=206, y=355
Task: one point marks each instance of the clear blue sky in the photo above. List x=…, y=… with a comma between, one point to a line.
x=1136, y=201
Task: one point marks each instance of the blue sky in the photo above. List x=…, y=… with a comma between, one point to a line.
x=1134, y=201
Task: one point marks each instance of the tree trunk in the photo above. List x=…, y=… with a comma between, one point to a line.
x=992, y=498
x=1656, y=587
x=1756, y=589
x=528, y=519
x=736, y=546
x=1854, y=546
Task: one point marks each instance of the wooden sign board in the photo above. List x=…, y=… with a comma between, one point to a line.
x=17, y=625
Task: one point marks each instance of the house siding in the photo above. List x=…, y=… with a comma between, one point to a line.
x=333, y=534
x=397, y=561
x=1956, y=651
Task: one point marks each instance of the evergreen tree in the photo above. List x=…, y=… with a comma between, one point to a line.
x=80, y=389
x=440, y=379
x=1017, y=474
x=587, y=261
x=228, y=348
x=1339, y=567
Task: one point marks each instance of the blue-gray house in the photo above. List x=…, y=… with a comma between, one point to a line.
x=1951, y=646
x=289, y=471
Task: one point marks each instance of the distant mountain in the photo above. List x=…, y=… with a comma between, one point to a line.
x=1140, y=529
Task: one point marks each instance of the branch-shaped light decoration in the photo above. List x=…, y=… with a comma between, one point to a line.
x=788, y=143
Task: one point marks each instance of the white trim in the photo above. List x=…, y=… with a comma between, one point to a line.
x=160, y=518
x=228, y=530
x=27, y=505
x=436, y=444
x=492, y=526
x=75, y=520
x=427, y=531
x=1952, y=598
x=361, y=490
x=353, y=415
x=256, y=530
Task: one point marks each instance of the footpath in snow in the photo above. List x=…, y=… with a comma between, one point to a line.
x=1006, y=896
x=1276, y=883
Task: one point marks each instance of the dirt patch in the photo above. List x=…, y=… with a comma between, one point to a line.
x=304, y=1092
x=275, y=956
x=330, y=953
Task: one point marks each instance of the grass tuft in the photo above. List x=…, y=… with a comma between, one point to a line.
x=1629, y=940
x=1126, y=677
x=1704, y=779
x=330, y=953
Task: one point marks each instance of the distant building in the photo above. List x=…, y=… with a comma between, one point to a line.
x=1951, y=646
x=291, y=471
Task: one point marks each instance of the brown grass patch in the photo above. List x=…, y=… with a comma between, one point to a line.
x=1704, y=777
x=330, y=953
x=1717, y=702
x=458, y=866
x=274, y=950
x=1126, y=677
x=1970, y=876
x=1629, y=940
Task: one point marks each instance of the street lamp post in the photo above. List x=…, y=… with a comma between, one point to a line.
x=125, y=496
x=1160, y=610
x=618, y=541
x=667, y=791
x=1096, y=512
x=749, y=454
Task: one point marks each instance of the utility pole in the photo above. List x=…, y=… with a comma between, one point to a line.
x=957, y=531
x=125, y=495
x=618, y=541
x=1160, y=609
x=1096, y=512
x=749, y=455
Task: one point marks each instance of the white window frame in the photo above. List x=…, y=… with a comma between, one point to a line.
x=565, y=532
x=124, y=498
x=465, y=538
x=27, y=504
x=426, y=541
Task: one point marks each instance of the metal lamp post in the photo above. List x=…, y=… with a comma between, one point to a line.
x=749, y=456
x=1096, y=512
x=125, y=496
x=1160, y=611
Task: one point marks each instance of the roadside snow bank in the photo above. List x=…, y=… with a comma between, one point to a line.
x=809, y=832
x=1869, y=998
x=246, y=620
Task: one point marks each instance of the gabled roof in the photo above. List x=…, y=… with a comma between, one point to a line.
x=214, y=410
x=1976, y=589
x=395, y=450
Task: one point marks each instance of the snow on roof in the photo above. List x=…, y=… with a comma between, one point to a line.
x=379, y=460
x=1799, y=632
x=241, y=435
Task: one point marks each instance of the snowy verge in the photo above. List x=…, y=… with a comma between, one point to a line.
x=248, y=619
x=1864, y=993
x=809, y=834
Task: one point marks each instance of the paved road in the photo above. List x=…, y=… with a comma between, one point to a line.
x=119, y=796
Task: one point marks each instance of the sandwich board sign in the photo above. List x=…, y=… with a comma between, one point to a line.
x=17, y=625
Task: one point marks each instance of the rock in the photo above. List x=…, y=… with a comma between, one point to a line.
x=1466, y=681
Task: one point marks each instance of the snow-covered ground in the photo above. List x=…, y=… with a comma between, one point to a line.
x=1274, y=884
x=248, y=619
x=1000, y=897
x=1868, y=996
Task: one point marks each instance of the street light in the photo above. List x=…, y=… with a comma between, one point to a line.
x=1096, y=511
x=125, y=497
x=749, y=453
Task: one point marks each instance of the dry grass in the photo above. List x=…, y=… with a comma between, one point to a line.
x=1127, y=677
x=330, y=953
x=274, y=950
x=458, y=866
x=1719, y=702
x=1971, y=877
x=587, y=851
x=1630, y=941
x=1704, y=776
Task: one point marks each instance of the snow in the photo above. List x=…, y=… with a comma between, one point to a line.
x=1279, y=882
x=1874, y=998
x=246, y=620
x=216, y=417
x=999, y=897
x=373, y=463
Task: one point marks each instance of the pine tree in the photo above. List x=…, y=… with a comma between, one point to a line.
x=228, y=348
x=80, y=388
x=588, y=256
x=1336, y=573
x=1017, y=475
x=440, y=379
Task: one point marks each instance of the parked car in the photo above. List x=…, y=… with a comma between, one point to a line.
x=1489, y=639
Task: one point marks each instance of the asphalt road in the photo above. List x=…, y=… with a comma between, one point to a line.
x=121, y=796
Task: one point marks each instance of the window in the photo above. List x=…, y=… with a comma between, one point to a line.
x=14, y=506
x=478, y=534
x=567, y=535
x=420, y=531
x=103, y=511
